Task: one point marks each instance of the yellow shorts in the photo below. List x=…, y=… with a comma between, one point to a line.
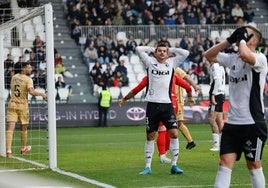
x=18, y=116
x=180, y=113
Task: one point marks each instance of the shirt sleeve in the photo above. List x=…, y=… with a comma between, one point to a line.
x=224, y=59
x=140, y=86
x=261, y=62
x=180, y=55
x=142, y=52
x=180, y=82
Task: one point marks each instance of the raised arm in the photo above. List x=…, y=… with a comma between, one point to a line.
x=180, y=55
x=143, y=52
x=180, y=82
x=179, y=52
x=192, y=83
x=134, y=91
x=211, y=54
x=35, y=93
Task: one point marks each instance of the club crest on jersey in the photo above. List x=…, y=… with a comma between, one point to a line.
x=158, y=72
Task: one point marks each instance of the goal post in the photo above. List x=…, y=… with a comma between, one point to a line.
x=46, y=12
x=52, y=141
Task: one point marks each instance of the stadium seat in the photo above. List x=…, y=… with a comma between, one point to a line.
x=96, y=90
x=5, y=52
x=214, y=34
x=227, y=90
x=125, y=90
x=30, y=36
x=205, y=90
x=58, y=75
x=125, y=58
x=139, y=96
x=39, y=28
x=121, y=36
x=140, y=76
x=134, y=59
x=63, y=94
x=37, y=20
x=16, y=52
x=115, y=92
x=139, y=68
x=38, y=99
x=132, y=77
x=28, y=28
x=224, y=34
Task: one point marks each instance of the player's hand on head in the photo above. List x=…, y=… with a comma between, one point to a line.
x=237, y=34
x=243, y=35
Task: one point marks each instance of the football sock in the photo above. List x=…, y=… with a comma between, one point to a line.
x=185, y=132
x=216, y=139
x=174, y=150
x=257, y=178
x=223, y=177
x=148, y=152
x=167, y=137
x=23, y=136
x=161, y=142
x=9, y=137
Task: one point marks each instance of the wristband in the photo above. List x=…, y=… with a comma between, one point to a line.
x=243, y=41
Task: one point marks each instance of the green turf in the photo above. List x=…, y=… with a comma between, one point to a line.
x=114, y=156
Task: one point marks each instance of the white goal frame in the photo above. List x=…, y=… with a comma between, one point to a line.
x=52, y=144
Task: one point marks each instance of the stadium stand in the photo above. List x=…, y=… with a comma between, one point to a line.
x=83, y=88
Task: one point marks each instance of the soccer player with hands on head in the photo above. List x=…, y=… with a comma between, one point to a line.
x=163, y=139
x=160, y=70
x=245, y=131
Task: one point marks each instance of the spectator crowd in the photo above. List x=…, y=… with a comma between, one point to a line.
x=101, y=52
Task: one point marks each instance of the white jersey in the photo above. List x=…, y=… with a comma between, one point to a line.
x=246, y=87
x=159, y=85
x=217, y=79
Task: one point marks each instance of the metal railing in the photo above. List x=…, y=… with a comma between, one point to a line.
x=154, y=32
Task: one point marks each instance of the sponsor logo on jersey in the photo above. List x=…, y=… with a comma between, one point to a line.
x=158, y=72
x=239, y=79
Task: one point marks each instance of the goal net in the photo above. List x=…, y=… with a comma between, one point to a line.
x=26, y=34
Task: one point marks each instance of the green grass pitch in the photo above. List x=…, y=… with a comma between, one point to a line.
x=114, y=156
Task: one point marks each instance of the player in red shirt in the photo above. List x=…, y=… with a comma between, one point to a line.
x=163, y=139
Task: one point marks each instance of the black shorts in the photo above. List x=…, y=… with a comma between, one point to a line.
x=249, y=139
x=219, y=106
x=156, y=112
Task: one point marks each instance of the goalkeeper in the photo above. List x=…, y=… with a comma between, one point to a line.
x=245, y=131
x=163, y=139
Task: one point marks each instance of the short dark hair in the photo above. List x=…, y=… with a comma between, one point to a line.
x=19, y=65
x=162, y=44
x=104, y=87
